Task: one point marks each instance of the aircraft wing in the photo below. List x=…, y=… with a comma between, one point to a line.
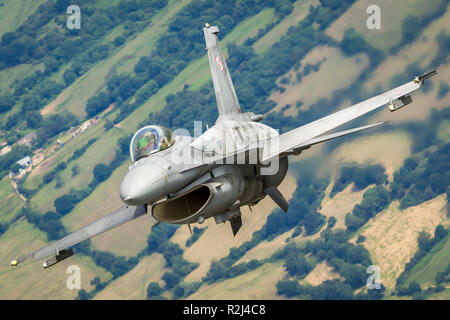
x=61, y=248
x=396, y=98
x=227, y=101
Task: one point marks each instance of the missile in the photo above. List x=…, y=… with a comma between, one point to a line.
x=399, y=103
x=62, y=255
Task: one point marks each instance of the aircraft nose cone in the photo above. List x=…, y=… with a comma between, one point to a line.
x=143, y=184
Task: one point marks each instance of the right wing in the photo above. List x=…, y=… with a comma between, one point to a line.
x=227, y=101
x=396, y=98
x=61, y=248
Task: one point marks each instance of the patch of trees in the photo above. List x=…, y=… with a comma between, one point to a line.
x=222, y=269
x=49, y=223
x=49, y=176
x=7, y=101
x=197, y=232
x=425, y=243
x=442, y=92
x=374, y=201
x=349, y=260
x=54, y=124
x=297, y=265
x=328, y=11
x=413, y=26
x=79, y=152
x=443, y=276
x=173, y=255
x=185, y=289
x=154, y=290
x=352, y=43
x=8, y=160
x=361, y=175
x=415, y=184
x=328, y=290
x=3, y=227
x=443, y=41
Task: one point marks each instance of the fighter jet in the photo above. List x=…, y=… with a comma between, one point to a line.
x=179, y=179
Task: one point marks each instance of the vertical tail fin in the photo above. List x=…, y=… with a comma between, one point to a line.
x=227, y=101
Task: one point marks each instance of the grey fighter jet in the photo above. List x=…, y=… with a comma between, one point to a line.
x=174, y=178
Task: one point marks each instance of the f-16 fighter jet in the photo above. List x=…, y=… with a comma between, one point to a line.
x=178, y=179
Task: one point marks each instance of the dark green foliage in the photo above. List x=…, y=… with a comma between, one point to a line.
x=153, y=289
x=443, y=89
x=116, y=265
x=159, y=236
x=443, y=276
x=352, y=43
x=361, y=175
x=98, y=284
x=425, y=243
x=69, y=77
x=65, y=203
x=171, y=279
x=374, y=201
x=288, y=288
x=360, y=239
x=327, y=290
x=3, y=227
x=6, y=102
x=297, y=265
x=97, y=103
x=102, y=172
x=79, y=152
x=51, y=224
x=197, y=232
x=83, y=295
x=331, y=222
x=119, y=40
x=185, y=289
x=33, y=119
x=53, y=125
x=216, y=271
x=75, y=170
x=415, y=184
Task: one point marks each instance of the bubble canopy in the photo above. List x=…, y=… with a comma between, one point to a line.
x=149, y=140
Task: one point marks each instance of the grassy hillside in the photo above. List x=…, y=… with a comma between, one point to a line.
x=322, y=79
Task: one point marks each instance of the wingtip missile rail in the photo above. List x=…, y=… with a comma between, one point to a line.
x=395, y=104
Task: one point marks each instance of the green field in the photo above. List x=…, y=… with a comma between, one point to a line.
x=10, y=202
x=424, y=272
x=14, y=12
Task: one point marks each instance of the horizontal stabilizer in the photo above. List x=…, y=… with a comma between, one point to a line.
x=277, y=197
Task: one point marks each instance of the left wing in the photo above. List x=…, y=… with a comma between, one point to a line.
x=61, y=248
x=396, y=98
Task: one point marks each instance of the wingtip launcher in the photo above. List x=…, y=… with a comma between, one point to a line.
x=402, y=101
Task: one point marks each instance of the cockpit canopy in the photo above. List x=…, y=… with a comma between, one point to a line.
x=149, y=140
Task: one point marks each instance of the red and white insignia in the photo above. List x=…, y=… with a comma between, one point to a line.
x=219, y=63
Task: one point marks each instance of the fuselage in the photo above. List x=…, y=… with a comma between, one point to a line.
x=168, y=174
